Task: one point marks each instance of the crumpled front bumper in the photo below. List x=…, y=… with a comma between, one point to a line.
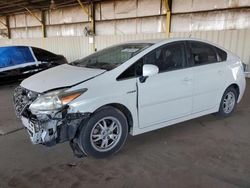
x=42, y=132
x=35, y=135
x=46, y=128
x=50, y=130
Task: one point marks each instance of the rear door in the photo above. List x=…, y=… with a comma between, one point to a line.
x=208, y=76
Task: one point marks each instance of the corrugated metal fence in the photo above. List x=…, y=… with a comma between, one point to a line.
x=238, y=41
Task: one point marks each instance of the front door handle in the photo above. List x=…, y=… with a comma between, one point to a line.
x=132, y=91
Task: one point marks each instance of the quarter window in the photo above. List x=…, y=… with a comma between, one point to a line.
x=221, y=54
x=203, y=53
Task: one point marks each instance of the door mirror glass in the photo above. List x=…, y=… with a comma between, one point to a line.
x=149, y=70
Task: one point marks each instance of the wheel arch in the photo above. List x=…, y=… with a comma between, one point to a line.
x=236, y=87
x=124, y=110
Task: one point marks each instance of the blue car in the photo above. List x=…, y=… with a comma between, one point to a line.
x=22, y=61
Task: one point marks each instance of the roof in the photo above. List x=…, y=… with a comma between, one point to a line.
x=151, y=41
x=155, y=41
x=173, y=39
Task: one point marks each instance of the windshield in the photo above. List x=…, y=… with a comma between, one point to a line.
x=111, y=57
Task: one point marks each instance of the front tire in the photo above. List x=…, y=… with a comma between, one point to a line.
x=104, y=133
x=228, y=102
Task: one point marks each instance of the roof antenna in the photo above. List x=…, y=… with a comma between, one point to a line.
x=190, y=35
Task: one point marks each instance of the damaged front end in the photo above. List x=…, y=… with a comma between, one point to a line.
x=48, y=127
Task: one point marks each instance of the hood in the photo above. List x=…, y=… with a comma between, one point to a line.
x=60, y=76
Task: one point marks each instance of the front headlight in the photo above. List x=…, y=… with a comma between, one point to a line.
x=55, y=100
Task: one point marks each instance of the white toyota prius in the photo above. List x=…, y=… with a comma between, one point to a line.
x=133, y=88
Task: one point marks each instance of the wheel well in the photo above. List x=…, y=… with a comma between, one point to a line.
x=236, y=87
x=124, y=110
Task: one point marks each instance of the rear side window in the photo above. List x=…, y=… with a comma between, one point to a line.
x=203, y=53
x=222, y=55
x=43, y=55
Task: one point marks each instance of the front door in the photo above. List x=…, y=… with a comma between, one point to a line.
x=167, y=95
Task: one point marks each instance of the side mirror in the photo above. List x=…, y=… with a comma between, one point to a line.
x=148, y=70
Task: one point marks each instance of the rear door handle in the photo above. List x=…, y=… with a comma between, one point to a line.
x=186, y=79
x=220, y=72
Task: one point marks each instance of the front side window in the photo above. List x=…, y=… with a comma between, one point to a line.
x=203, y=53
x=112, y=57
x=167, y=58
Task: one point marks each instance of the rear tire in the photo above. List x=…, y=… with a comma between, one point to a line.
x=104, y=134
x=228, y=102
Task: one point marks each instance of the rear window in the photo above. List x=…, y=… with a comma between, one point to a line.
x=43, y=55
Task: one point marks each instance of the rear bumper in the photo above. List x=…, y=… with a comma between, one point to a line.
x=242, y=86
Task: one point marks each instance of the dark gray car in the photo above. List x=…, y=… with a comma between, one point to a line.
x=22, y=61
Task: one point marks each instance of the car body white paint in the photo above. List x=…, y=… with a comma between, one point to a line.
x=188, y=93
x=150, y=70
x=60, y=76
